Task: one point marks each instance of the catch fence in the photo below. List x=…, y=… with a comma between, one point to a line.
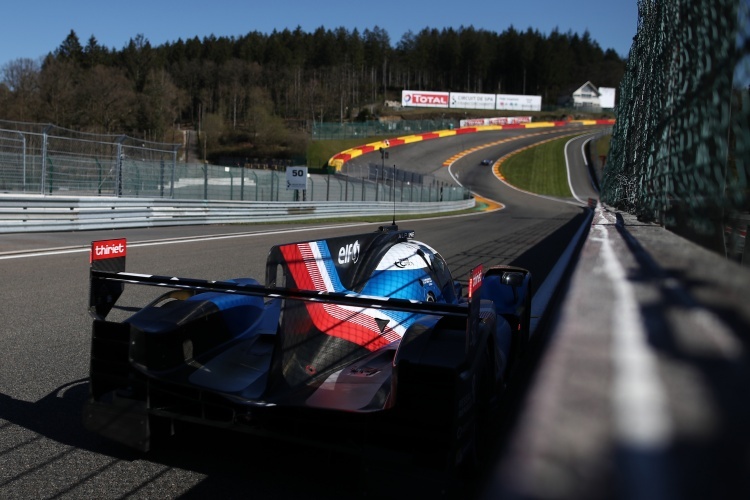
x=49, y=160
x=377, y=128
x=45, y=159
x=680, y=150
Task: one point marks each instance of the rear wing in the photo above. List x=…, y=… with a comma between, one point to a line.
x=107, y=279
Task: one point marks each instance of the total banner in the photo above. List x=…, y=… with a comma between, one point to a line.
x=425, y=99
x=464, y=100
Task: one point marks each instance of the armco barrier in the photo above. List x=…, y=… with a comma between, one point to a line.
x=57, y=213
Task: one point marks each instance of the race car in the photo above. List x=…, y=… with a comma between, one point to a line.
x=363, y=331
x=487, y=161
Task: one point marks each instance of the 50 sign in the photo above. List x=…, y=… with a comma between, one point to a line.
x=296, y=178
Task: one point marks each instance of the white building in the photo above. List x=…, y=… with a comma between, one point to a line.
x=586, y=98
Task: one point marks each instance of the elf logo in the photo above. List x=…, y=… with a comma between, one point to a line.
x=349, y=253
x=403, y=263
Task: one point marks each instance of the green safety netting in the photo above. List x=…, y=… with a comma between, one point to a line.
x=680, y=150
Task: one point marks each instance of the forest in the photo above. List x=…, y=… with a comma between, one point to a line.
x=258, y=94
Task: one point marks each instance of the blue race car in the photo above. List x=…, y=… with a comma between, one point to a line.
x=369, y=330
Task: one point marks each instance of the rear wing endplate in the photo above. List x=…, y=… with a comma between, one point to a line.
x=106, y=256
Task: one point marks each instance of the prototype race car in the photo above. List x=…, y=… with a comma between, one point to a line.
x=367, y=330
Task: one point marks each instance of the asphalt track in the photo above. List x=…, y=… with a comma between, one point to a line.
x=45, y=452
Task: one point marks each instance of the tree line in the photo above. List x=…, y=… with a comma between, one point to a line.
x=262, y=91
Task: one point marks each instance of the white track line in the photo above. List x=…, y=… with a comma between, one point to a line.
x=639, y=399
x=44, y=252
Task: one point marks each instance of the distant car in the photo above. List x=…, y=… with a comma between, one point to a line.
x=487, y=161
x=369, y=330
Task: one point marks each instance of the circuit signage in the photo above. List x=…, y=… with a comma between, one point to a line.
x=296, y=178
x=519, y=102
x=472, y=101
x=422, y=99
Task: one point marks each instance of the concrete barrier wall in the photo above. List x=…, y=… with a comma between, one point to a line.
x=57, y=213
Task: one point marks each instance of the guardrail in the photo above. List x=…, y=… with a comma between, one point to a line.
x=57, y=213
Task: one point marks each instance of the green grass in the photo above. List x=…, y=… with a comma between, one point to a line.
x=602, y=145
x=540, y=169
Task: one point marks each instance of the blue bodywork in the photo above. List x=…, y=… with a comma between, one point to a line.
x=364, y=324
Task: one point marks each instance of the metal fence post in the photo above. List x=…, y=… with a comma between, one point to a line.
x=242, y=184
x=137, y=179
x=118, y=167
x=51, y=171
x=205, y=180
x=23, y=160
x=44, y=159
x=161, y=179
x=231, y=183
x=174, y=169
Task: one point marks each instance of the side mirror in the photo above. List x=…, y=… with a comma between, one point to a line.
x=513, y=279
x=458, y=290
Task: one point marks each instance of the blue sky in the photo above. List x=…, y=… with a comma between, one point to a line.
x=33, y=28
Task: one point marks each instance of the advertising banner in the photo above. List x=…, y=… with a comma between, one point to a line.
x=472, y=101
x=500, y=120
x=607, y=97
x=108, y=249
x=425, y=99
x=519, y=102
x=465, y=100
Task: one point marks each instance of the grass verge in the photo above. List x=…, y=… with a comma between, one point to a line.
x=540, y=169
